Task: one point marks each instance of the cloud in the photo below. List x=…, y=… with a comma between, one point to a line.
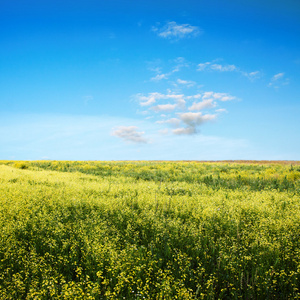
x=187, y=83
x=203, y=66
x=173, y=122
x=277, y=76
x=159, y=77
x=185, y=118
x=252, y=75
x=164, y=107
x=226, y=68
x=216, y=67
x=150, y=99
x=202, y=105
x=129, y=134
x=218, y=96
x=194, y=119
x=172, y=30
x=278, y=80
x=191, y=120
x=211, y=66
x=221, y=110
x=179, y=62
x=153, y=97
x=184, y=131
x=179, y=98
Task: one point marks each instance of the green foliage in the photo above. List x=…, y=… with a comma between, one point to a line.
x=149, y=230
x=21, y=165
x=232, y=176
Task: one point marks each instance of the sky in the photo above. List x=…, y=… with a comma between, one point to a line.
x=150, y=80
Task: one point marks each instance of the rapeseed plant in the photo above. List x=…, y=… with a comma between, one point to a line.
x=149, y=230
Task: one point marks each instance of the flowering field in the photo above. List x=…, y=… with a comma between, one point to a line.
x=149, y=230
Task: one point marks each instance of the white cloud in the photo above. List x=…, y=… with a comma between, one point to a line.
x=226, y=97
x=203, y=66
x=202, y=105
x=184, y=131
x=187, y=83
x=252, y=75
x=277, y=76
x=221, y=110
x=173, y=122
x=179, y=99
x=176, y=97
x=153, y=97
x=179, y=62
x=164, y=107
x=185, y=118
x=172, y=30
x=150, y=99
x=226, y=68
x=207, y=95
x=210, y=66
x=218, y=96
x=197, y=96
x=216, y=67
x=129, y=134
x=159, y=77
x=278, y=80
x=194, y=119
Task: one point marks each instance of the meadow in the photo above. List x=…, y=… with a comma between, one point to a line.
x=149, y=230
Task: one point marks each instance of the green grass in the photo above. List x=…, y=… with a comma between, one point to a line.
x=149, y=230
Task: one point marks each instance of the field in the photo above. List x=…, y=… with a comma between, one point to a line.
x=149, y=230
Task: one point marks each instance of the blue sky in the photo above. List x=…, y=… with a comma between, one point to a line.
x=165, y=80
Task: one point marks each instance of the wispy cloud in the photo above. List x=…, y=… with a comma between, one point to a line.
x=221, y=110
x=218, y=96
x=148, y=100
x=278, y=80
x=252, y=75
x=223, y=68
x=209, y=103
x=187, y=83
x=174, y=122
x=153, y=97
x=130, y=134
x=164, y=107
x=159, y=77
x=184, y=131
x=176, y=65
x=216, y=67
x=212, y=66
x=172, y=30
x=277, y=76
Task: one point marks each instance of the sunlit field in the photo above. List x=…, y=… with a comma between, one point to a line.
x=149, y=230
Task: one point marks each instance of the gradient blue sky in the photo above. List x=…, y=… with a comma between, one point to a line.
x=165, y=80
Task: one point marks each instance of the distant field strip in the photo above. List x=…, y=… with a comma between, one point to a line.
x=149, y=230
